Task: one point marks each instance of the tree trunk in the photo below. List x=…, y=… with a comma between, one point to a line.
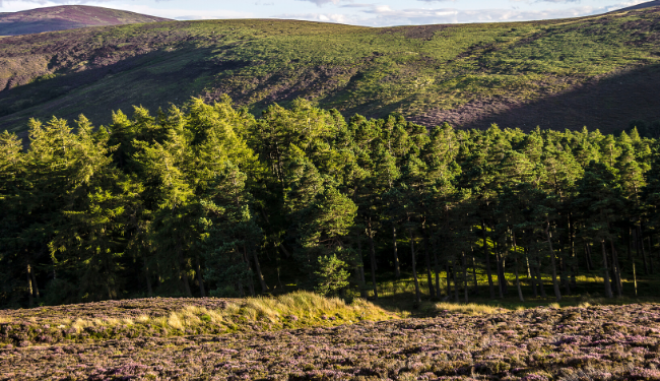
x=35, y=285
x=630, y=244
x=200, y=280
x=634, y=277
x=437, y=269
x=448, y=280
x=183, y=274
x=638, y=250
x=260, y=276
x=397, y=267
x=488, y=271
x=279, y=281
x=529, y=272
x=453, y=276
x=251, y=286
x=147, y=278
x=418, y=297
x=539, y=280
x=530, y=268
x=650, y=255
x=606, y=272
x=616, y=268
x=532, y=280
x=428, y=270
x=372, y=257
x=658, y=254
x=241, y=290
x=573, y=264
x=465, y=277
x=563, y=267
x=184, y=283
x=500, y=278
x=362, y=281
x=589, y=257
x=555, y=284
x=515, y=264
x=29, y=282
x=649, y=271
x=520, y=294
x=250, y=280
x=502, y=273
x=474, y=275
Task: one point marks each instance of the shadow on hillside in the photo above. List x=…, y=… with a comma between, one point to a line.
x=608, y=104
x=158, y=78
x=29, y=27
x=108, y=86
x=589, y=291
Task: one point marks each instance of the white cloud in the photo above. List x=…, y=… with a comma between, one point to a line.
x=322, y=17
x=384, y=15
x=356, y=12
x=323, y=2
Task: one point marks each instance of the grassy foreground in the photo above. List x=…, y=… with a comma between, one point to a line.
x=585, y=343
x=165, y=317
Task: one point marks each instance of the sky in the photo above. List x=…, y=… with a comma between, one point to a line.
x=355, y=12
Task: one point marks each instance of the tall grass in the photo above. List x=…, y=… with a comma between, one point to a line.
x=295, y=310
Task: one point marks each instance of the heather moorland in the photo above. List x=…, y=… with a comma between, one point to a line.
x=573, y=344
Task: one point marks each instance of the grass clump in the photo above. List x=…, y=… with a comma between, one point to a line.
x=469, y=309
x=114, y=320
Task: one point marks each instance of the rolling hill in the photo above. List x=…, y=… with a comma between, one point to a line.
x=67, y=17
x=648, y=4
x=601, y=71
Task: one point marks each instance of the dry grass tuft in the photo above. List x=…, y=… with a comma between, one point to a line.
x=295, y=310
x=470, y=309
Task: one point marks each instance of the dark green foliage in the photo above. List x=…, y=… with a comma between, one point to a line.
x=332, y=275
x=206, y=199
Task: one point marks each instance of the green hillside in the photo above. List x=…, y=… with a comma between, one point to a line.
x=598, y=71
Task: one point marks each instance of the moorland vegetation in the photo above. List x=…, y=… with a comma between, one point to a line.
x=584, y=343
x=208, y=200
x=598, y=71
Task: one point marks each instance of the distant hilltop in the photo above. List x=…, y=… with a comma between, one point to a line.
x=649, y=4
x=64, y=17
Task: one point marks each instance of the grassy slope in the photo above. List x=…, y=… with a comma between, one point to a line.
x=599, y=71
x=67, y=17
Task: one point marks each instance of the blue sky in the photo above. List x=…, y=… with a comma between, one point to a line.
x=357, y=12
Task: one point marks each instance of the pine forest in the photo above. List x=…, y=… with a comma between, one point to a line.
x=207, y=200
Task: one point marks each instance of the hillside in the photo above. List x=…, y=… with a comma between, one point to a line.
x=67, y=17
x=648, y=4
x=582, y=343
x=599, y=71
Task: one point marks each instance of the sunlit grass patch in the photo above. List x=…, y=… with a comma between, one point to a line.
x=470, y=309
x=296, y=310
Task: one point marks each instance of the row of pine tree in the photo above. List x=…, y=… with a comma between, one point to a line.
x=208, y=200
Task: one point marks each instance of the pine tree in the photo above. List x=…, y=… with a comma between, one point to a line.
x=600, y=202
